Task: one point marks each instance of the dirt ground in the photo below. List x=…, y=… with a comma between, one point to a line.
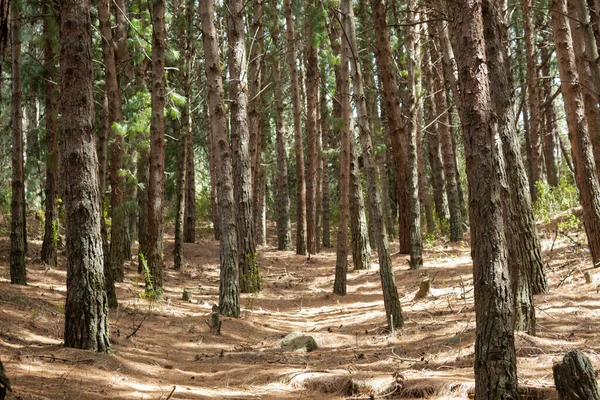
x=164, y=349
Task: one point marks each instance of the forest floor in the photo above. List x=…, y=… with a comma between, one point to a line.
x=161, y=346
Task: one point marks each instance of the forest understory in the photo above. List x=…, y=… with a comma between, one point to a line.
x=165, y=349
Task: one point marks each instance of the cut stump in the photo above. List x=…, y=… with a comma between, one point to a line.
x=575, y=378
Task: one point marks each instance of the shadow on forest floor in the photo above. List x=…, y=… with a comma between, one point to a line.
x=173, y=347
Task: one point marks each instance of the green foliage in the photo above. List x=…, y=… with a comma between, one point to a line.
x=203, y=204
x=149, y=288
x=571, y=223
x=552, y=201
x=252, y=280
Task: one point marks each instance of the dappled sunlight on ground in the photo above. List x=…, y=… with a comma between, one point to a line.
x=172, y=346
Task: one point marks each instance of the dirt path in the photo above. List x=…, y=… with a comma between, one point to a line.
x=431, y=355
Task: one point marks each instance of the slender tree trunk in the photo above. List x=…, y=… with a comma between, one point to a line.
x=495, y=360
x=312, y=96
x=326, y=132
x=343, y=96
x=299, y=146
x=423, y=182
x=229, y=298
x=583, y=159
x=18, y=229
x=86, y=309
x=189, y=222
x=238, y=88
x=535, y=131
x=179, y=133
x=156, y=183
x=51, y=233
x=143, y=173
x=393, y=309
x=284, y=230
x=361, y=249
x=549, y=117
x=321, y=127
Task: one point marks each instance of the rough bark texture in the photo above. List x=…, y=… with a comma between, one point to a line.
x=581, y=148
x=575, y=377
x=549, y=117
x=426, y=207
x=189, y=224
x=51, y=232
x=180, y=187
x=298, y=145
x=156, y=181
x=587, y=71
x=325, y=132
x=393, y=309
x=242, y=188
x=312, y=95
x=343, y=96
x=361, y=249
x=495, y=360
x=391, y=99
x=86, y=309
x=535, y=131
x=524, y=251
x=18, y=230
x=410, y=123
x=114, y=260
x=282, y=191
x=229, y=298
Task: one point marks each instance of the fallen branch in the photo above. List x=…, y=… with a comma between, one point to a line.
x=566, y=277
x=171, y=394
x=136, y=329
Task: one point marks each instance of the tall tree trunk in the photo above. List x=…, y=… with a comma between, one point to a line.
x=180, y=134
x=583, y=159
x=393, y=309
x=299, y=146
x=18, y=229
x=321, y=128
x=111, y=116
x=524, y=251
x=361, y=249
x=86, y=309
x=535, y=131
x=588, y=73
x=51, y=233
x=410, y=123
x=549, y=117
x=326, y=132
x=391, y=97
x=238, y=88
x=495, y=360
x=229, y=297
x=156, y=182
x=448, y=155
x=284, y=230
x=343, y=96
x=189, y=222
x=312, y=96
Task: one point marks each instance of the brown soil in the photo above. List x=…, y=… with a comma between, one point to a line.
x=431, y=356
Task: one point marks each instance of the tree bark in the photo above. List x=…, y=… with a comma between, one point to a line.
x=242, y=188
x=391, y=99
x=575, y=377
x=229, y=298
x=393, y=309
x=178, y=132
x=86, y=309
x=18, y=228
x=583, y=160
x=325, y=132
x=299, y=146
x=51, y=232
x=549, y=117
x=156, y=182
x=361, y=249
x=495, y=360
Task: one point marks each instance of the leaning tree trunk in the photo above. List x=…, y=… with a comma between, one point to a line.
x=18, y=232
x=86, y=309
x=229, y=297
x=248, y=259
x=51, y=233
x=583, y=160
x=299, y=146
x=156, y=183
x=495, y=360
x=393, y=309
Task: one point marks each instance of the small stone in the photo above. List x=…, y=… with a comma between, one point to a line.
x=299, y=342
